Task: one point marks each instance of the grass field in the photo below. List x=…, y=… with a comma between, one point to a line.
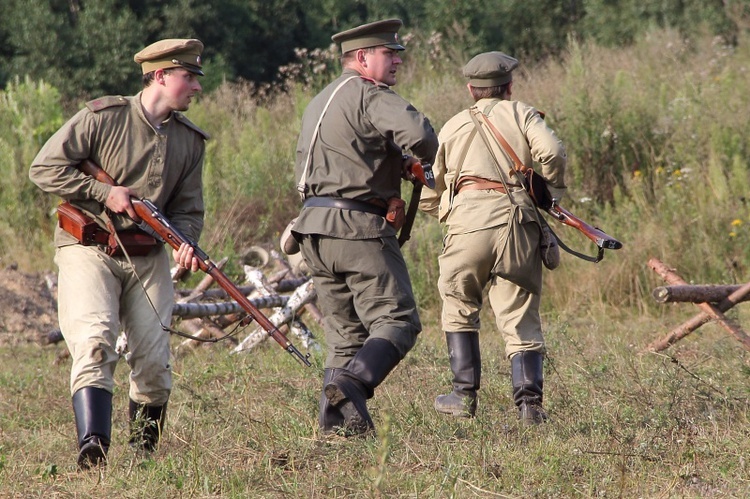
x=622, y=423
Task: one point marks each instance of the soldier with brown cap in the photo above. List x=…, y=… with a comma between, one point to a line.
x=350, y=162
x=493, y=234
x=152, y=151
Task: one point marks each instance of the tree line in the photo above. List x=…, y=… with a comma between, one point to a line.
x=84, y=48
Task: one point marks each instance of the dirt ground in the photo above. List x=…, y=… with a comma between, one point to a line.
x=28, y=308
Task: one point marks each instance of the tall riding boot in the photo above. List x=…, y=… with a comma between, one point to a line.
x=466, y=364
x=146, y=425
x=351, y=387
x=329, y=417
x=528, y=383
x=93, y=413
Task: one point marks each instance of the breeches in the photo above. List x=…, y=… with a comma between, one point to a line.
x=364, y=291
x=99, y=296
x=466, y=267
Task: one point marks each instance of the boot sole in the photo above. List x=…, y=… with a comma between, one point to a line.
x=92, y=455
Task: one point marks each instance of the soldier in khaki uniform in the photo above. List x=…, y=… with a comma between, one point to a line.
x=492, y=236
x=151, y=150
x=350, y=163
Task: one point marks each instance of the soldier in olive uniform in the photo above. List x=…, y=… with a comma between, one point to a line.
x=350, y=163
x=492, y=236
x=151, y=150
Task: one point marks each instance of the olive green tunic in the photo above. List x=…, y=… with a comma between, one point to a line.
x=359, y=272
x=493, y=237
x=99, y=295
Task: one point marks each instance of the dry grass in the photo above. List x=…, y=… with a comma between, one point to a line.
x=623, y=424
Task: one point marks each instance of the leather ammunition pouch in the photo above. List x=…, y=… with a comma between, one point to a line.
x=88, y=233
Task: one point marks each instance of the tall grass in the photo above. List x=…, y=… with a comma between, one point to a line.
x=657, y=158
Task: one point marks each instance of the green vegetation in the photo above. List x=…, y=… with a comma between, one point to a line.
x=77, y=45
x=655, y=133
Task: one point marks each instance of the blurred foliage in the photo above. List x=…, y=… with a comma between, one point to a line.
x=84, y=47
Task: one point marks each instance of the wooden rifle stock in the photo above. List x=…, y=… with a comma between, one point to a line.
x=151, y=216
x=601, y=239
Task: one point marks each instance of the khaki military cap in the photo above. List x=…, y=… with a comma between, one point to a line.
x=490, y=69
x=370, y=35
x=171, y=53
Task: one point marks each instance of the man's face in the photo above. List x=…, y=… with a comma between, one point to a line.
x=381, y=64
x=180, y=86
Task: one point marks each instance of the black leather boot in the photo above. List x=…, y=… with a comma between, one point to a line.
x=466, y=364
x=528, y=384
x=349, y=389
x=146, y=425
x=93, y=413
x=329, y=417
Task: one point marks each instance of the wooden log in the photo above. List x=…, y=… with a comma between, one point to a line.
x=256, y=277
x=192, y=310
x=710, y=311
x=200, y=329
x=311, y=308
x=708, y=293
x=281, y=286
x=303, y=294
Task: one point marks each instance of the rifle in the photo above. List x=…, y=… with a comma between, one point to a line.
x=423, y=175
x=154, y=219
x=600, y=238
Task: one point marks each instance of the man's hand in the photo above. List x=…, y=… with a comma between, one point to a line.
x=118, y=201
x=406, y=167
x=184, y=257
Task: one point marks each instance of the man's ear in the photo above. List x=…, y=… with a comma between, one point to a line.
x=361, y=59
x=159, y=76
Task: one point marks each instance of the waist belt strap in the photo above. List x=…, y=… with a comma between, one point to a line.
x=345, y=204
x=478, y=183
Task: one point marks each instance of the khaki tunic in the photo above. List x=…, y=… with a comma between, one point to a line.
x=359, y=272
x=481, y=246
x=102, y=295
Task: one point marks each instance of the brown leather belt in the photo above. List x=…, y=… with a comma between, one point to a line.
x=469, y=183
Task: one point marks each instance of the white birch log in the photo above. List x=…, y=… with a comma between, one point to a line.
x=302, y=295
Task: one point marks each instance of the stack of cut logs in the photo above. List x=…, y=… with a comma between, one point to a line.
x=207, y=315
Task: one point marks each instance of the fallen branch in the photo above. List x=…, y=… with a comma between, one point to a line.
x=694, y=293
x=709, y=311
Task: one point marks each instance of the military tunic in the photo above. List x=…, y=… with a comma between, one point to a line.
x=493, y=237
x=100, y=295
x=358, y=269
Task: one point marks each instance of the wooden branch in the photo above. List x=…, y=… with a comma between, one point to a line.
x=710, y=311
x=202, y=286
x=694, y=293
x=311, y=308
x=282, y=286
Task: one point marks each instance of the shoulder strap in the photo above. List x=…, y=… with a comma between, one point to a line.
x=302, y=185
x=474, y=112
